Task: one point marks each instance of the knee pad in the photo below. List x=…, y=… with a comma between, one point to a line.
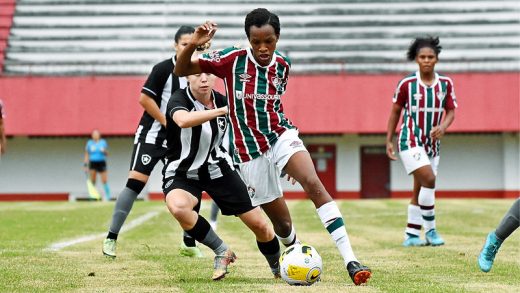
x=135, y=185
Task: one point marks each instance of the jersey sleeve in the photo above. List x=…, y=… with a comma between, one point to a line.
x=154, y=85
x=217, y=62
x=179, y=101
x=400, y=97
x=451, y=99
x=87, y=146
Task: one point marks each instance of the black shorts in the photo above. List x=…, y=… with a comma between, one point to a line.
x=145, y=156
x=100, y=166
x=229, y=191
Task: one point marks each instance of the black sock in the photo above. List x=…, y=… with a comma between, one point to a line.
x=271, y=252
x=112, y=235
x=188, y=240
x=203, y=233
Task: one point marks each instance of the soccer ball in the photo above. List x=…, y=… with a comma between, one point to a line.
x=300, y=264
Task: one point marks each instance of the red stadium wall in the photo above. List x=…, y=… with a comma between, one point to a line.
x=64, y=106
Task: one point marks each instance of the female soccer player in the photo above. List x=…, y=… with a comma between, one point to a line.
x=96, y=152
x=424, y=95
x=149, y=142
x=494, y=240
x=198, y=162
x=264, y=142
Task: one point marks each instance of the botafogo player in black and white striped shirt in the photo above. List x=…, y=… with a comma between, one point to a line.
x=196, y=161
x=150, y=138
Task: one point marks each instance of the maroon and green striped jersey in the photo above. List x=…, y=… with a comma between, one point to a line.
x=423, y=108
x=254, y=95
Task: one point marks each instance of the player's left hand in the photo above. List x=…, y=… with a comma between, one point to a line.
x=204, y=33
x=437, y=132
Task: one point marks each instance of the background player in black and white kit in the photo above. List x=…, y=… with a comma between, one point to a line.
x=150, y=137
x=197, y=161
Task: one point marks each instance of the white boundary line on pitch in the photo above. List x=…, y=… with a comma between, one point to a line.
x=131, y=225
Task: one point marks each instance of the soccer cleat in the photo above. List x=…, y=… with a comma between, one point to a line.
x=433, y=239
x=221, y=264
x=276, y=272
x=358, y=273
x=109, y=247
x=488, y=252
x=190, y=251
x=413, y=241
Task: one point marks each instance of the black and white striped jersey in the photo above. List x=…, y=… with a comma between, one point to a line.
x=197, y=152
x=159, y=86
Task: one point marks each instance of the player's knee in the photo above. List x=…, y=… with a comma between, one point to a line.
x=429, y=181
x=313, y=187
x=283, y=228
x=261, y=228
x=179, y=209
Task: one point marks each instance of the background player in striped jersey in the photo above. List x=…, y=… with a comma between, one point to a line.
x=150, y=141
x=264, y=142
x=197, y=161
x=424, y=96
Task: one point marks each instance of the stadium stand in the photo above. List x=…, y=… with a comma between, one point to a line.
x=95, y=37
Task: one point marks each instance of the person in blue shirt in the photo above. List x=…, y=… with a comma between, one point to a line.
x=96, y=152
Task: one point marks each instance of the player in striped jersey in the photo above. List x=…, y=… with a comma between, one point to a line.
x=424, y=95
x=263, y=140
x=197, y=161
x=150, y=142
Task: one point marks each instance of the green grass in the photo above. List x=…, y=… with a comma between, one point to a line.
x=148, y=259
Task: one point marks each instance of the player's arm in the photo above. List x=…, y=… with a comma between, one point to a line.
x=3, y=140
x=150, y=106
x=438, y=131
x=187, y=119
x=185, y=64
x=395, y=112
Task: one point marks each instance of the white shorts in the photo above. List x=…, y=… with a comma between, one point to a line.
x=416, y=157
x=262, y=175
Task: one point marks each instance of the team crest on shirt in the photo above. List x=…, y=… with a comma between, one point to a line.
x=251, y=191
x=221, y=123
x=244, y=77
x=441, y=95
x=239, y=95
x=279, y=83
x=417, y=96
x=417, y=156
x=146, y=159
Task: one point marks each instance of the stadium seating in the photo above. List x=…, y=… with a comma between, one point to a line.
x=85, y=37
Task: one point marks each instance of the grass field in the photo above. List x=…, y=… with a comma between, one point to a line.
x=148, y=259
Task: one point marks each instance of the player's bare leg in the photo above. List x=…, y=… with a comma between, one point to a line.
x=301, y=168
x=265, y=239
x=280, y=217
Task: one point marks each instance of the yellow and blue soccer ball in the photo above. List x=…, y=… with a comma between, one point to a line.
x=300, y=264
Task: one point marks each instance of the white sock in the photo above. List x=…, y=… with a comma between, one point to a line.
x=331, y=218
x=427, y=204
x=415, y=221
x=289, y=240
